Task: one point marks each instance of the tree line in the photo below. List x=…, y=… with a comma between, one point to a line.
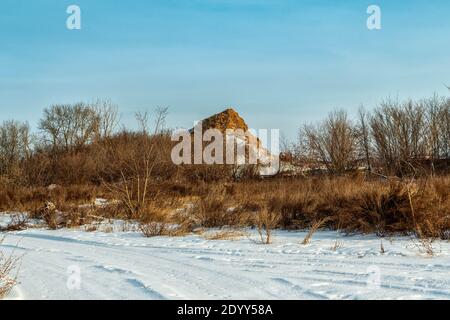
x=395, y=138
x=82, y=143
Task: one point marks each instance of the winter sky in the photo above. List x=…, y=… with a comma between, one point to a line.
x=280, y=63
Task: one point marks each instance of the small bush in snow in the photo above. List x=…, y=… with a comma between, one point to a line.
x=265, y=222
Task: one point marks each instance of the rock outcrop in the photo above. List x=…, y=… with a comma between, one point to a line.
x=230, y=119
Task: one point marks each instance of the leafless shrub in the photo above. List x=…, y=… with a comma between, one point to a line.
x=136, y=166
x=402, y=134
x=52, y=217
x=333, y=143
x=154, y=229
x=19, y=221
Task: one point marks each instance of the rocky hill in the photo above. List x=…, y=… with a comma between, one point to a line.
x=228, y=119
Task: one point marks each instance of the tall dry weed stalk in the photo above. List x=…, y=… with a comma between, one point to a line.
x=266, y=221
x=314, y=227
x=7, y=265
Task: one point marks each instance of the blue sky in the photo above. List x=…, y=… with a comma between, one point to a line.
x=280, y=63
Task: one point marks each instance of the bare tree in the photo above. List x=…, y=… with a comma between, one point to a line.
x=69, y=127
x=364, y=136
x=265, y=222
x=108, y=118
x=15, y=146
x=399, y=134
x=7, y=266
x=333, y=142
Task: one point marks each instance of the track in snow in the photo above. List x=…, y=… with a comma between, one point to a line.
x=129, y=266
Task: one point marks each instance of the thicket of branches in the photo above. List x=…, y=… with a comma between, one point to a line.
x=77, y=144
x=81, y=144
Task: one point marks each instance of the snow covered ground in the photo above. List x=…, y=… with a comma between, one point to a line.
x=75, y=264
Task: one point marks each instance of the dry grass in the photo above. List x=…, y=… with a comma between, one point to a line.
x=352, y=204
x=215, y=209
x=265, y=221
x=163, y=229
x=337, y=245
x=68, y=217
x=425, y=245
x=154, y=229
x=26, y=198
x=135, y=168
x=7, y=265
x=229, y=234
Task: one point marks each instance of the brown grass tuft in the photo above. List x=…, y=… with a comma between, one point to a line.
x=314, y=227
x=224, y=235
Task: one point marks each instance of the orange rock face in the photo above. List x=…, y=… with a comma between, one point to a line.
x=228, y=119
